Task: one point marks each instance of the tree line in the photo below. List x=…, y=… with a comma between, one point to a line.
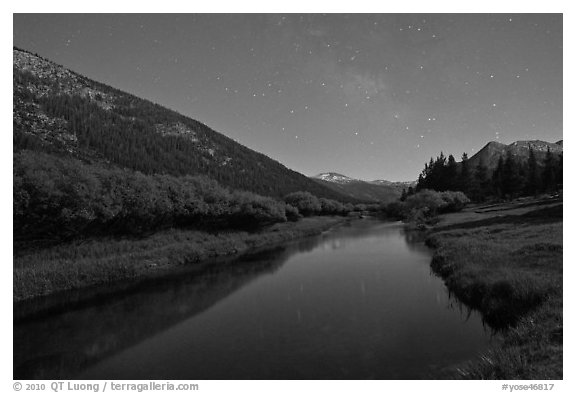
x=61, y=198
x=511, y=178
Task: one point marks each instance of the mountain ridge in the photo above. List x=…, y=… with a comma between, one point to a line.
x=62, y=112
x=340, y=178
x=370, y=191
x=493, y=150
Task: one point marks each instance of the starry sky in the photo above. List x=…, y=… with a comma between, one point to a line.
x=371, y=96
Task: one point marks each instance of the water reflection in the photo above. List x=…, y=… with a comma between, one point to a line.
x=356, y=302
x=60, y=345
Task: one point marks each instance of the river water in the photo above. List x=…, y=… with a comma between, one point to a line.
x=357, y=302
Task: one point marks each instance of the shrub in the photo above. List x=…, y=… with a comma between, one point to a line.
x=306, y=203
x=396, y=210
x=374, y=207
x=428, y=201
x=330, y=206
x=292, y=213
x=426, y=204
x=455, y=200
x=66, y=198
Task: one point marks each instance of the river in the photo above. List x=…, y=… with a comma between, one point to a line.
x=357, y=302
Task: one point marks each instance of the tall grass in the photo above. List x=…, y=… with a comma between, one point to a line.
x=512, y=273
x=80, y=264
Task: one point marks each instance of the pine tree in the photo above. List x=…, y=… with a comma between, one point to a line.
x=404, y=195
x=549, y=174
x=512, y=182
x=532, y=177
x=464, y=176
x=450, y=174
x=420, y=182
x=480, y=187
x=497, y=178
x=559, y=173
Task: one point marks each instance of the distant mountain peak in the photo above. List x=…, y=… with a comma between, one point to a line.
x=334, y=177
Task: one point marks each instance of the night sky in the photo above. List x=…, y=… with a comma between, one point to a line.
x=371, y=96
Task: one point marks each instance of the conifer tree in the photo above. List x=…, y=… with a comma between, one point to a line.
x=480, y=187
x=559, y=173
x=549, y=173
x=450, y=174
x=404, y=195
x=532, y=177
x=464, y=176
x=512, y=182
x=497, y=179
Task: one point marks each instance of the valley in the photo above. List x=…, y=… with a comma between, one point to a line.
x=114, y=196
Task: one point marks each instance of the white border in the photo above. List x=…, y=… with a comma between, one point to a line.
x=297, y=6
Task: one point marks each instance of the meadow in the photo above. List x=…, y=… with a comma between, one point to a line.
x=505, y=260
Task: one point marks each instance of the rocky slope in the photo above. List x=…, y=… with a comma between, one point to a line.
x=58, y=111
x=490, y=154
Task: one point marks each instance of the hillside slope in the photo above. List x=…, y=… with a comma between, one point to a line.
x=58, y=111
x=490, y=154
x=375, y=191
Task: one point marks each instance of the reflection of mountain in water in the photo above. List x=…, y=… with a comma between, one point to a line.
x=53, y=347
x=50, y=346
x=350, y=303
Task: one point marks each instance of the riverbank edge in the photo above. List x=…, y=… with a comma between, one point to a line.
x=101, y=262
x=528, y=348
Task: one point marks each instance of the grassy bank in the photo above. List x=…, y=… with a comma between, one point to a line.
x=506, y=261
x=96, y=262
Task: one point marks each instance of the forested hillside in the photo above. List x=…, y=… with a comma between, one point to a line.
x=60, y=112
x=522, y=168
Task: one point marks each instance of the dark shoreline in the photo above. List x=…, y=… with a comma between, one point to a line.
x=108, y=265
